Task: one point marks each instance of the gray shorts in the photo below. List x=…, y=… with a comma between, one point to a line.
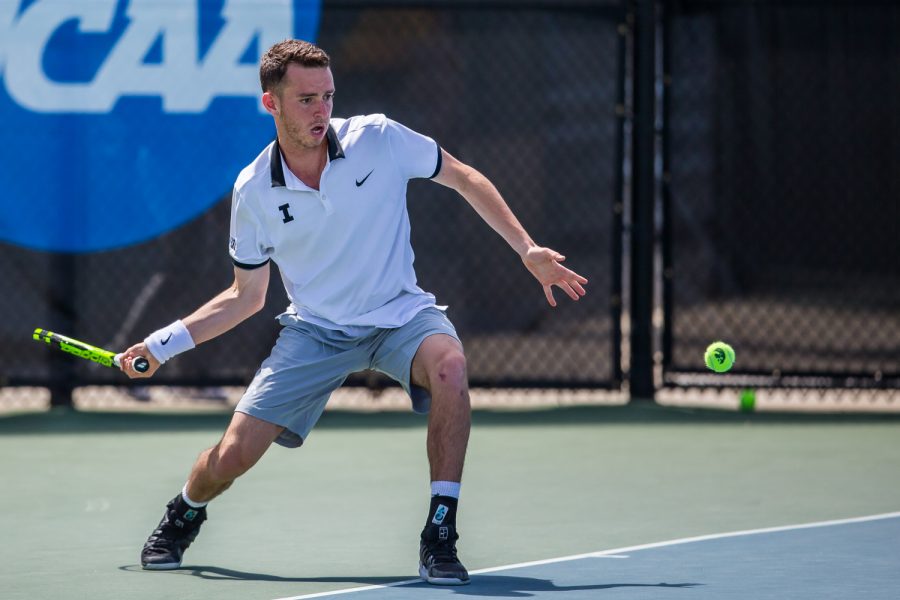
x=309, y=362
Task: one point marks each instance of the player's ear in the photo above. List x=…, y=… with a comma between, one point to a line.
x=270, y=103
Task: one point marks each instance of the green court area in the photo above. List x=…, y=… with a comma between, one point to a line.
x=81, y=492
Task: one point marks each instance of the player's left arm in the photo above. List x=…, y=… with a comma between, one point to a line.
x=482, y=195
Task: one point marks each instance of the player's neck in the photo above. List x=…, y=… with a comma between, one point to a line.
x=306, y=164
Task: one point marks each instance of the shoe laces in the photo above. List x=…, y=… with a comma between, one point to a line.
x=169, y=531
x=165, y=536
x=442, y=551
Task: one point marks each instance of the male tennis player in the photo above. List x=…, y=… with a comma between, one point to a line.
x=326, y=201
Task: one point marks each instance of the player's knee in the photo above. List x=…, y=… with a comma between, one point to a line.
x=450, y=372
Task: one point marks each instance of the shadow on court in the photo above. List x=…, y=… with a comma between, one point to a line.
x=212, y=573
x=61, y=421
x=493, y=586
x=504, y=586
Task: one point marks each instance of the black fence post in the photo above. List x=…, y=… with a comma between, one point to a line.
x=641, y=377
x=618, y=237
x=63, y=304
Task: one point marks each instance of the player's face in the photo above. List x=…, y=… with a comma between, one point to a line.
x=303, y=105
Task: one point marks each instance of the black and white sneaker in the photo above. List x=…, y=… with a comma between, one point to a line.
x=178, y=528
x=438, y=563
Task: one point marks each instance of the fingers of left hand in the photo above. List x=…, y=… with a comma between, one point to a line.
x=548, y=292
x=572, y=276
x=564, y=286
x=570, y=283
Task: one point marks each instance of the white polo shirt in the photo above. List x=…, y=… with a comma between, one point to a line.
x=344, y=250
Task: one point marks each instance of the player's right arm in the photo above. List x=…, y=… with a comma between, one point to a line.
x=244, y=298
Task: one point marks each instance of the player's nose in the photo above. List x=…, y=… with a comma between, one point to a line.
x=323, y=107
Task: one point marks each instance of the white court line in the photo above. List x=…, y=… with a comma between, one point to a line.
x=617, y=552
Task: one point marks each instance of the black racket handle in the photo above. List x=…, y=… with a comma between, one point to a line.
x=140, y=364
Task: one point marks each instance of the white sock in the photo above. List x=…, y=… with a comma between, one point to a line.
x=190, y=502
x=445, y=488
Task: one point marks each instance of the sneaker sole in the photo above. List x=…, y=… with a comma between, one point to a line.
x=161, y=566
x=423, y=573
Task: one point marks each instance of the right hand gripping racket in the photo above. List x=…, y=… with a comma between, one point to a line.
x=86, y=351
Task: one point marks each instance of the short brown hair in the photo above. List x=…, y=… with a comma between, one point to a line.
x=274, y=63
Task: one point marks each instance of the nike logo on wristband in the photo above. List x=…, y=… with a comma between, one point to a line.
x=166, y=341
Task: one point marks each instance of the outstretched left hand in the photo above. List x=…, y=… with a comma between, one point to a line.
x=544, y=265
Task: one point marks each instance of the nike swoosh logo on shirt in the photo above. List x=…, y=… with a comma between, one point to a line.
x=363, y=180
x=166, y=341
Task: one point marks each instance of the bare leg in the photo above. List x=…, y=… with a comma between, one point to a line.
x=243, y=444
x=440, y=367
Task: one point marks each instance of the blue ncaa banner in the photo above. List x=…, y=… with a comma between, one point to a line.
x=123, y=119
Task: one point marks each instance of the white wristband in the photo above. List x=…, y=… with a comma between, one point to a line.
x=170, y=340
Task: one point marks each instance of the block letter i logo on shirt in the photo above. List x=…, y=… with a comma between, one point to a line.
x=287, y=217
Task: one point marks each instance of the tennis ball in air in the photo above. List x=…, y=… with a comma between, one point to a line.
x=719, y=357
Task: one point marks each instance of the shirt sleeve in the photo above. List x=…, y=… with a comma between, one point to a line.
x=416, y=155
x=248, y=244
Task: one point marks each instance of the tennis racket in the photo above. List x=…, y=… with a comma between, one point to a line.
x=86, y=351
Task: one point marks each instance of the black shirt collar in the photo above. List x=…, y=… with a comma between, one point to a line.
x=335, y=151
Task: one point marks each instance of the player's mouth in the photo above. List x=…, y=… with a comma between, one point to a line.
x=318, y=130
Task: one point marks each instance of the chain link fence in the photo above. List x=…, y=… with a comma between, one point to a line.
x=525, y=93
x=782, y=137
x=778, y=222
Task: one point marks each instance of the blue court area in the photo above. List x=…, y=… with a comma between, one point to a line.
x=824, y=561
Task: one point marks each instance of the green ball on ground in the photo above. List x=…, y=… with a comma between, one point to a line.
x=719, y=357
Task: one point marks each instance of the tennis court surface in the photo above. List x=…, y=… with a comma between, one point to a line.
x=636, y=501
x=851, y=558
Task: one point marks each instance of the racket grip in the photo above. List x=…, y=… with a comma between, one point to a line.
x=140, y=364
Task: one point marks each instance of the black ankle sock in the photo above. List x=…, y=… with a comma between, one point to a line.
x=185, y=511
x=442, y=511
